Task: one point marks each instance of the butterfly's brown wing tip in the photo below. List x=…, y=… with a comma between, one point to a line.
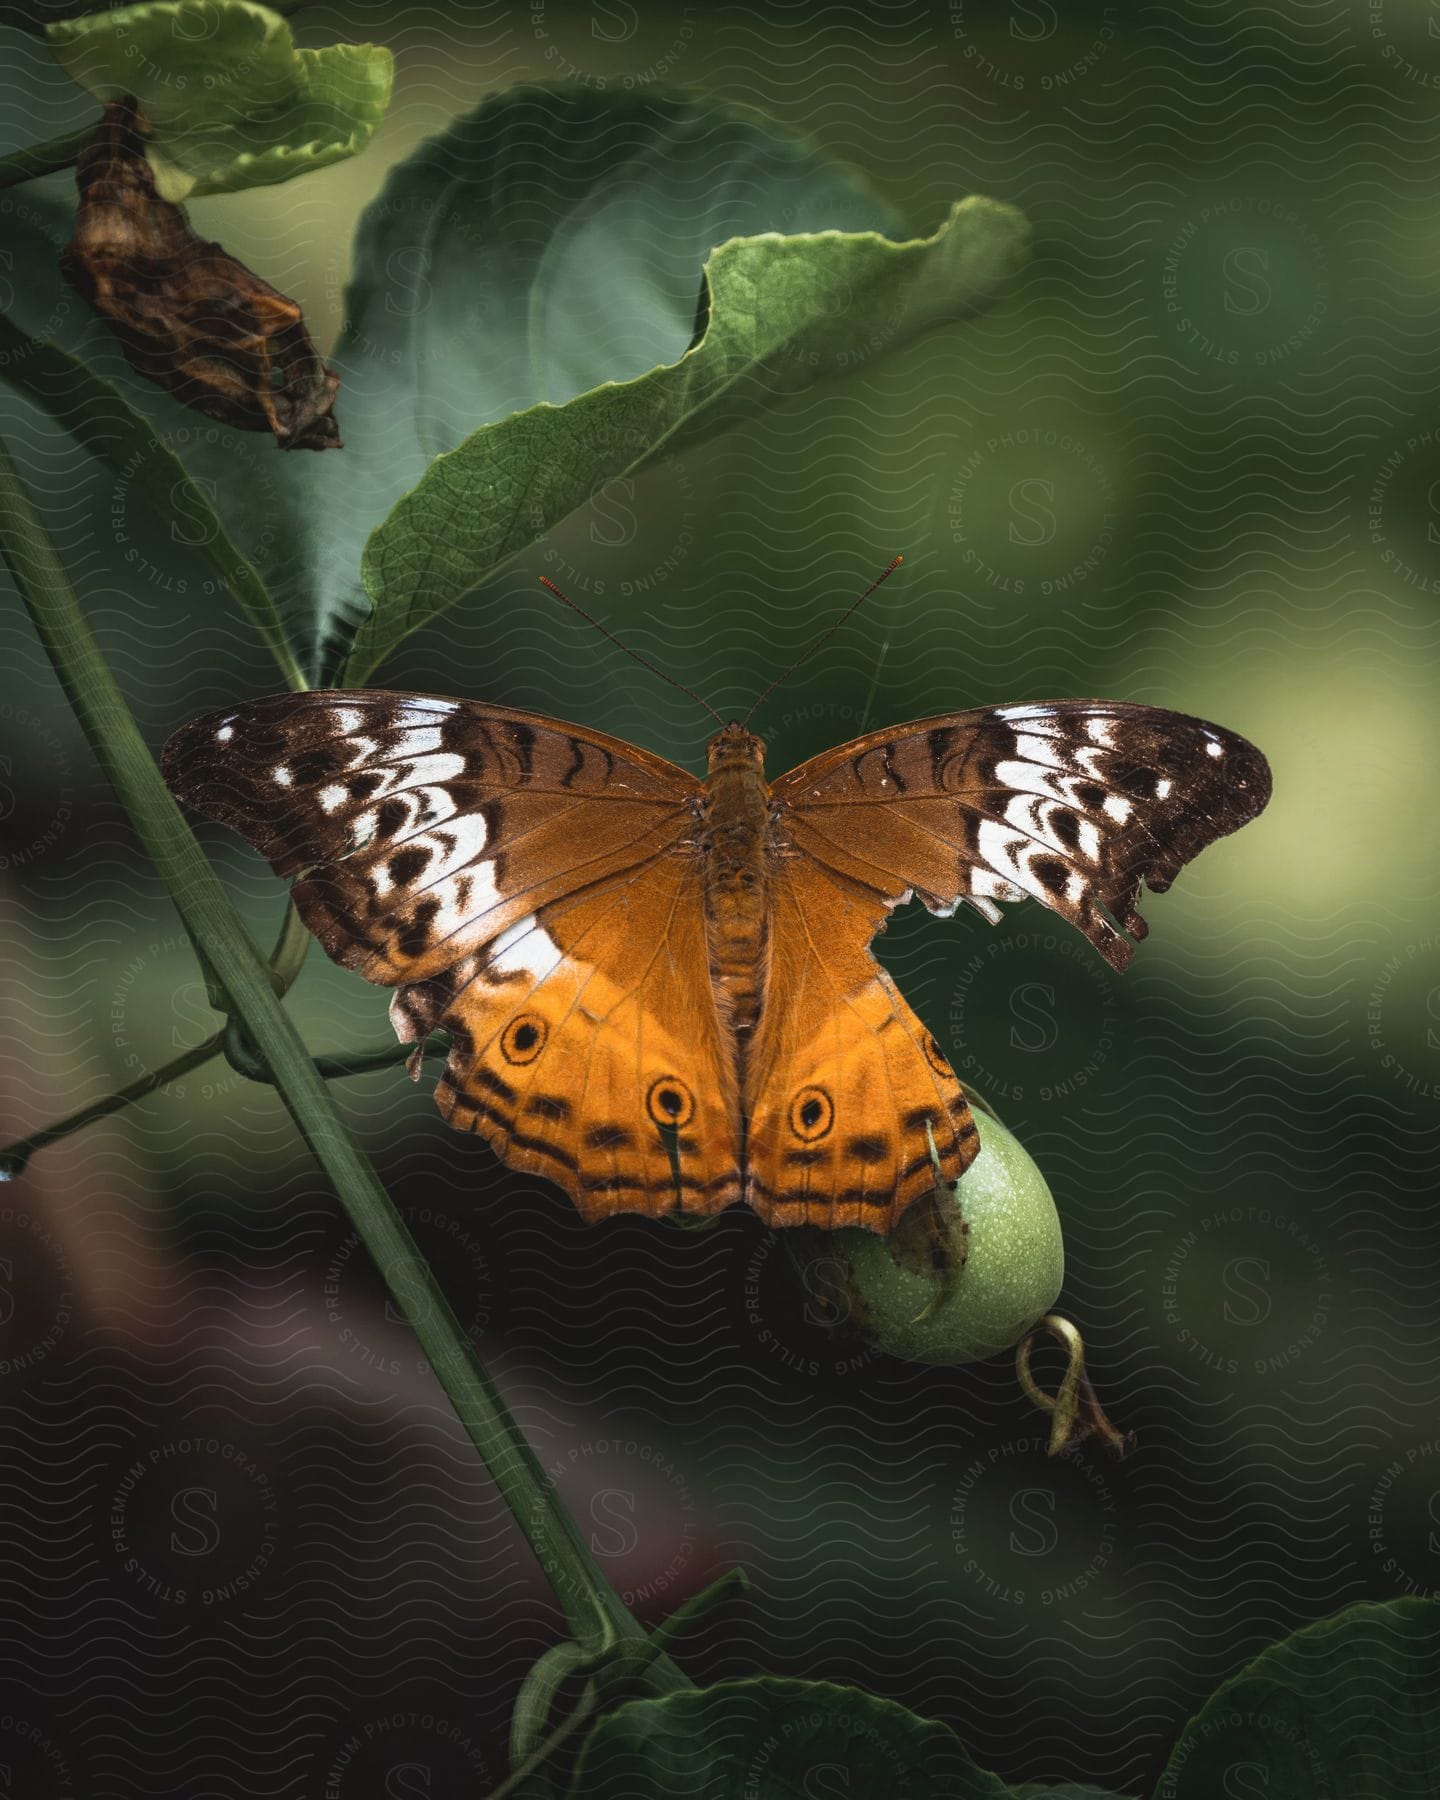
x=1251, y=785
x=226, y=766
x=197, y=770
x=202, y=778
x=178, y=758
x=1239, y=793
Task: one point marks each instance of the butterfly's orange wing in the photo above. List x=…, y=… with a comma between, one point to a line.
x=525, y=886
x=1073, y=803
x=845, y=1089
x=587, y=1047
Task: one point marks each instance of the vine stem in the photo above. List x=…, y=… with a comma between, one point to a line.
x=14, y=1157
x=44, y=159
x=285, y=961
x=594, y=1610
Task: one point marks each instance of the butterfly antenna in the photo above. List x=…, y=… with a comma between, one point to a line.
x=644, y=661
x=824, y=637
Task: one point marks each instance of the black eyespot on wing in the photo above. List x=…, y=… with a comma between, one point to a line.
x=812, y=1115
x=523, y=1039
x=1051, y=873
x=669, y=1103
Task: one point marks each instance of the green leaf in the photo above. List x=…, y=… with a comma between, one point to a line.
x=232, y=101
x=777, y=315
x=550, y=241
x=97, y=416
x=768, y=1739
x=1346, y=1708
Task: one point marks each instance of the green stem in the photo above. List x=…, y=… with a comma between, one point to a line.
x=44, y=159
x=14, y=1157
x=288, y=956
x=514, y=1785
x=285, y=961
x=243, y=1059
x=229, y=1044
x=594, y=1611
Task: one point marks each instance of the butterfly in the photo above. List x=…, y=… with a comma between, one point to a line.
x=660, y=990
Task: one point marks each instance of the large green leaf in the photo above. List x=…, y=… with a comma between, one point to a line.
x=1348, y=1708
x=768, y=1739
x=548, y=242
x=778, y=313
x=233, y=102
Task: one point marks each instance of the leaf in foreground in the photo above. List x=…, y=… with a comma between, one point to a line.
x=771, y=1739
x=1345, y=1708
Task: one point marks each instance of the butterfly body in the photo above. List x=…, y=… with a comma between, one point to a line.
x=660, y=991
x=738, y=844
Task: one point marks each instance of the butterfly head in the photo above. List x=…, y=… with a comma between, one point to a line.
x=735, y=748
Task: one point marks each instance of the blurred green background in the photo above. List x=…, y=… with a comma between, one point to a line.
x=1191, y=461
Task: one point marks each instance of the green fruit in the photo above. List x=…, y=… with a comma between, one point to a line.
x=968, y=1270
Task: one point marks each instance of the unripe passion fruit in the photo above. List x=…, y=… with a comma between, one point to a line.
x=968, y=1270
